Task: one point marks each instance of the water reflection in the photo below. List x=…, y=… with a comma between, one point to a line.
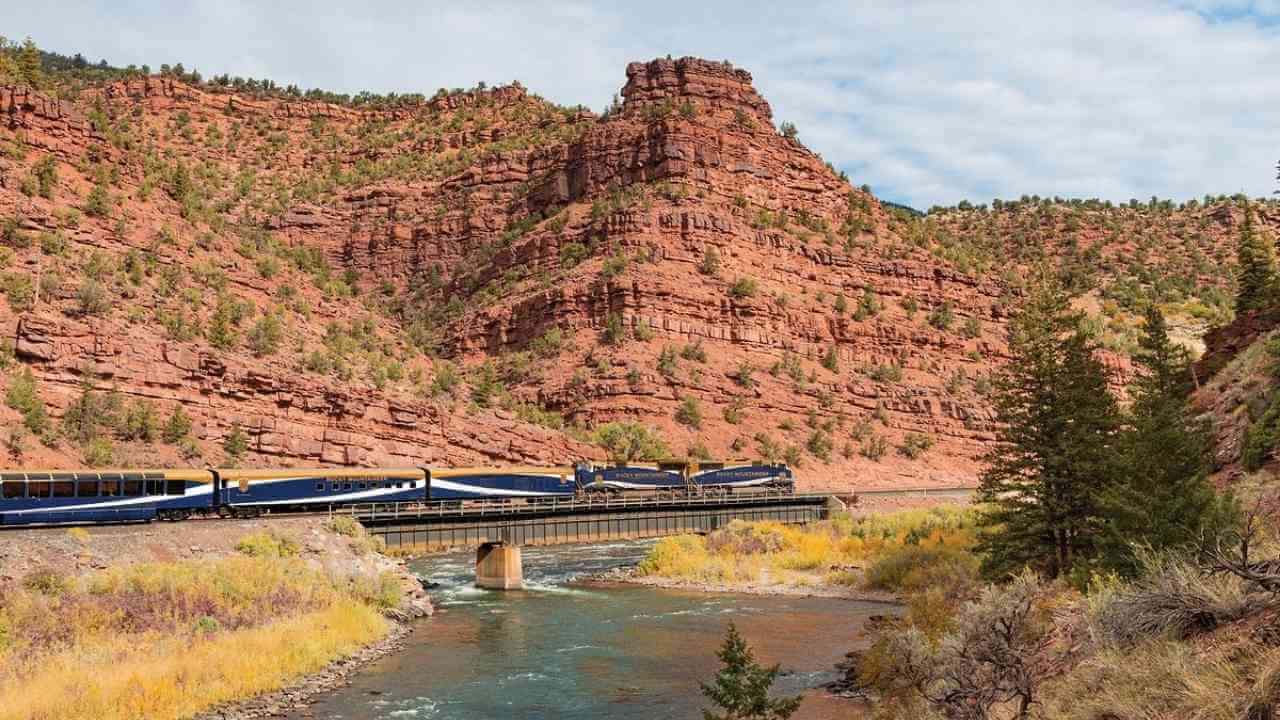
x=561, y=650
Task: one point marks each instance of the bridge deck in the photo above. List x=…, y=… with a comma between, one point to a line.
x=567, y=521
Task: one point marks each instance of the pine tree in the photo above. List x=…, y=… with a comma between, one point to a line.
x=1056, y=456
x=1257, y=273
x=1162, y=498
x=741, y=688
x=29, y=64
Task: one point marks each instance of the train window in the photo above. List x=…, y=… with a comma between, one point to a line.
x=64, y=488
x=155, y=487
x=711, y=466
x=346, y=486
x=399, y=484
x=175, y=487
x=39, y=488
x=320, y=486
x=111, y=488
x=413, y=483
x=87, y=488
x=13, y=488
x=335, y=486
x=132, y=487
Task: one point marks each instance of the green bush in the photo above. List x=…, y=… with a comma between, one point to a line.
x=690, y=412
x=627, y=441
x=909, y=568
x=99, y=452
x=24, y=397
x=177, y=427
x=744, y=287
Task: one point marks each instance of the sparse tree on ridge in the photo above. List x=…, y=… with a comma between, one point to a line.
x=1256, y=268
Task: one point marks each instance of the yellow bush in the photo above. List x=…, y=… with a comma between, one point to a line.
x=794, y=554
x=268, y=544
x=158, y=676
x=168, y=639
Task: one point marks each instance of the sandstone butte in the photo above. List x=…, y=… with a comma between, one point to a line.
x=483, y=277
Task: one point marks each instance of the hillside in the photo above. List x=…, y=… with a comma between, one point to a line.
x=485, y=277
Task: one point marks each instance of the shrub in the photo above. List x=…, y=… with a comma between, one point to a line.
x=742, y=375
x=644, y=331
x=667, y=361
x=627, y=441
x=914, y=445
x=265, y=335
x=236, y=444
x=99, y=452
x=268, y=544
x=831, y=360
x=1173, y=598
x=571, y=254
x=694, y=352
x=177, y=427
x=92, y=298
x=615, y=333
x=911, y=568
x=24, y=397
x=139, y=422
x=547, y=345
x=942, y=316
x=710, y=264
x=690, y=413
x=874, y=448
x=733, y=413
x=47, y=581
x=743, y=287
x=820, y=445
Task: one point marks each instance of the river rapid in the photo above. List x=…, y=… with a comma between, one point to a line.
x=567, y=649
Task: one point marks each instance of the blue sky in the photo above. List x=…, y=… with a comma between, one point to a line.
x=928, y=102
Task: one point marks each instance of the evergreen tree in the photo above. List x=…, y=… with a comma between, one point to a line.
x=1257, y=273
x=741, y=688
x=29, y=64
x=1056, y=455
x=1162, y=498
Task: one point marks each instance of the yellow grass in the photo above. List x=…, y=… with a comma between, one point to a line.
x=165, y=676
x=819, y=553
x=168, y=639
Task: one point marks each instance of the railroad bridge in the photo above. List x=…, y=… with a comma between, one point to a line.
x=499, y=530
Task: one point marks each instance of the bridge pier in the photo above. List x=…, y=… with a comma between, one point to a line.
x=499, y=567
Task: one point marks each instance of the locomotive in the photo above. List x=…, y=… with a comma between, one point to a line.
x=104, y=496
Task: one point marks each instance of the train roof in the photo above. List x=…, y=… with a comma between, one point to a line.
x=109, y=473
x=444, y=472
x=271, y=474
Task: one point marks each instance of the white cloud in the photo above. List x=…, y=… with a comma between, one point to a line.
x=929, y=102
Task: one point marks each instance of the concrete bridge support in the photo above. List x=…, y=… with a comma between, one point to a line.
x=499, y=567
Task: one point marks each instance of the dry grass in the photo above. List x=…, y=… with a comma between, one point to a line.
x=159, y=675
x=165, y=640
x=820, y=553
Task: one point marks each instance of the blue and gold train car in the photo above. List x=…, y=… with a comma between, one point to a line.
x=259, y=490
x=679, y=475
x=58, y=496
x=509, y=483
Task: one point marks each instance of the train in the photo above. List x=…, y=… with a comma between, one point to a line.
x=31, y=497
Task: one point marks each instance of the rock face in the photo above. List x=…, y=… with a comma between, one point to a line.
x=456, y=281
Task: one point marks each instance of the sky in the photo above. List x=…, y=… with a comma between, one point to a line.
x=930, y=103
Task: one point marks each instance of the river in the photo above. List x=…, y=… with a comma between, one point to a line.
x=567, y=650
